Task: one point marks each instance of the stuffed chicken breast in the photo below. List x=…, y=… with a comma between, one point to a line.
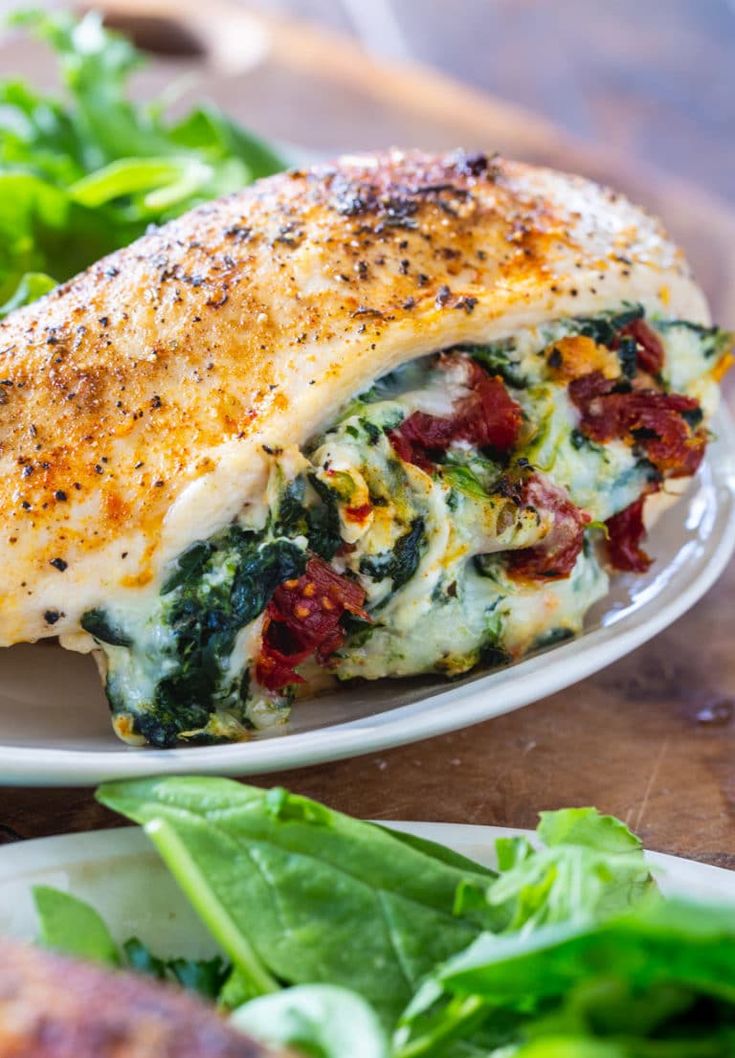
x=396, y=415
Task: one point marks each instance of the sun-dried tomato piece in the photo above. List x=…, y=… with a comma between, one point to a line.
x=656, y=421
x=555, y=557
x=649, y=347
x=487, y=417
x=303, y=620
x=586, y=388
x=359, y=514
x=625, y=532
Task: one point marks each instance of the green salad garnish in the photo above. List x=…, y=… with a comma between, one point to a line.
x=83, y=175
x=342, y=939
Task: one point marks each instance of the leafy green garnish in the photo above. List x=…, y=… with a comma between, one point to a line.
x=322, y=1021
x=296, y=893
x=32, y=285
x=73, y=927
x=83, y=176
x=341, y=932
x=659, y=980
x=69, y=925
x=589, y=865
x=206, y=977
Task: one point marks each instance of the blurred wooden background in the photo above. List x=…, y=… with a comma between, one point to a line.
x=651, y=79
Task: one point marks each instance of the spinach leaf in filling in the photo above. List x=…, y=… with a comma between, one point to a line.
x=173, y=673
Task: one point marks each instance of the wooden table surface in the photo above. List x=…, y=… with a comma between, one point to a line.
x=651, y=738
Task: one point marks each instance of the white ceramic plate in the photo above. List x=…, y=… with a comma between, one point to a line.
x=121, y=875
x=54, y=727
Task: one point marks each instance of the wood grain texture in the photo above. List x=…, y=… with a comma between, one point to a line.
x=652, y=738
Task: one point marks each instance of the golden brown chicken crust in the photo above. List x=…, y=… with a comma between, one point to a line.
x=121, y=387
x=53, y=1007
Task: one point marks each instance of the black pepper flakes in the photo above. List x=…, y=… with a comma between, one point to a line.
x=473, y=164
x=59, y=563
x=443, y=295
x=60, y=495
x=51, y=616
x=156, y=401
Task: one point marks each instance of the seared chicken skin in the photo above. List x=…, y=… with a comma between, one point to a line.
x=144, y=402
x=54, y=1007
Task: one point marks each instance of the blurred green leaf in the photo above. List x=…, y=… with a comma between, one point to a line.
x=82, y=176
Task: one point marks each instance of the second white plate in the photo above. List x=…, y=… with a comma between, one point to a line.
x=121, y=875
x=54, y=727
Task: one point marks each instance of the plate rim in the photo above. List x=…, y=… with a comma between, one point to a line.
x=462, y=705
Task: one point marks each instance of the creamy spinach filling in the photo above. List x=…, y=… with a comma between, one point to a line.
x=428, y=549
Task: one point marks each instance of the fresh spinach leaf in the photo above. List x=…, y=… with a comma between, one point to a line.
x=294, y=892
x=322, y=1021
x=206, y=977
x=71, y=926
x=442, y=853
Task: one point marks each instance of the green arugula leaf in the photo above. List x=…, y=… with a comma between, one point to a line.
x=321, y=1021
x=591, y=865
x=32, y=285
x=671, y=942
x=656, y=981
x=81, y=177
x=71, y=926
x=296, y=893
